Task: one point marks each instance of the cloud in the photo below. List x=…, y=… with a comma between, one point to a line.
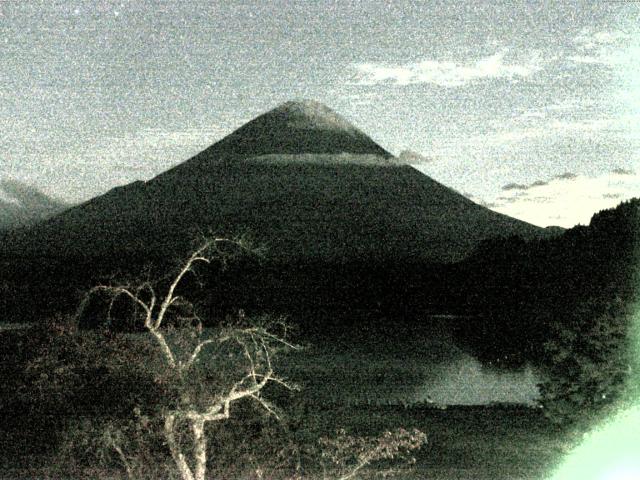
x=538, y=183
x=588, y=40
x=566, y=176
x=567, y=199
x=541, y=128
x=503, y=199
x=612, y=195
x=445, y=73
x=622, y=171
x=413, y=158
x=599, y=48
x=515, y=186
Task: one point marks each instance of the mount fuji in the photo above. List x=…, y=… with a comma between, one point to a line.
x=301, y=180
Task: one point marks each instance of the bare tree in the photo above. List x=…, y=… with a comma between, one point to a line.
x=255, y=345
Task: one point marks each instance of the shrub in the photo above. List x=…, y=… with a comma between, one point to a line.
x=587, y=362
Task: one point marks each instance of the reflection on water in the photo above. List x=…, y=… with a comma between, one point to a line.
x=428, y=367
x=423, y=368
x=466, y=382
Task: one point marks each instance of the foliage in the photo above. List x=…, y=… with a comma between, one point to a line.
x=587, y=352
x=346, y=456
x=588, y=361
x=89, y=372
x=132, y=444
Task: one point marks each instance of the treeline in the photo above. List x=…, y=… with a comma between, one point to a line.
x=513, y=290
x=564, y=304
x=521, y=290
x=315, y=295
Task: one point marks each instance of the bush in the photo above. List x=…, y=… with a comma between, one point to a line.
x=587, y=362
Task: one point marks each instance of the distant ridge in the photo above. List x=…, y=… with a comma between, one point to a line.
x=25, y=205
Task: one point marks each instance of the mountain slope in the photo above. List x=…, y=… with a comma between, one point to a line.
x=302, y=181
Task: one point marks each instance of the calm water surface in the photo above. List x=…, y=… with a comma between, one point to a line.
x=428, y=367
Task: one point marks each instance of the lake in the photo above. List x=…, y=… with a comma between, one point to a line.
x=428, y=366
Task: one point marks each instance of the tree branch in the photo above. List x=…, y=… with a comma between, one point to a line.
x=196, y=352
x=115, y=292
x=164, y=346
x=121, y=455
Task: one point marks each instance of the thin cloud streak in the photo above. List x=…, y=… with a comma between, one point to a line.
x=515, y=186
x=549, y=128
x=414, y=158
x=599, y=48
x=445, y=73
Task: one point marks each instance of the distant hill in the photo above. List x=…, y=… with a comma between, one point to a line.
x=24, y=205
x=302, y=181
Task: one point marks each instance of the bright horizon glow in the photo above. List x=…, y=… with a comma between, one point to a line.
x=610, y=452
x=568, y=202
x=564, y=200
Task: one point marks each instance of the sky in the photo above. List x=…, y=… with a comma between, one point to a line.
x=530, y=108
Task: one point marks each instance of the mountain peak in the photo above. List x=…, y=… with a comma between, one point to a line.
x=299, y=127
x=311, y=114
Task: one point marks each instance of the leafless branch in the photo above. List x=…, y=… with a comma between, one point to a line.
x=266, y=405
x=196, y=352
x=118, y=449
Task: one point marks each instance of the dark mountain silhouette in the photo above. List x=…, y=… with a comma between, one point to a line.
x=26, y=205
x=301, y=180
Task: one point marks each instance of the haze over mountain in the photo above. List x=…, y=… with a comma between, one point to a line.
x=302, y=181
x=22, y=205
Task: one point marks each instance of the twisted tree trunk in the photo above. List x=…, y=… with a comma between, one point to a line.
x=256, y=343
x=174, y=448
x=200, y=448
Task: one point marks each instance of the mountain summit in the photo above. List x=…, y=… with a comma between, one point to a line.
x=298, y=127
